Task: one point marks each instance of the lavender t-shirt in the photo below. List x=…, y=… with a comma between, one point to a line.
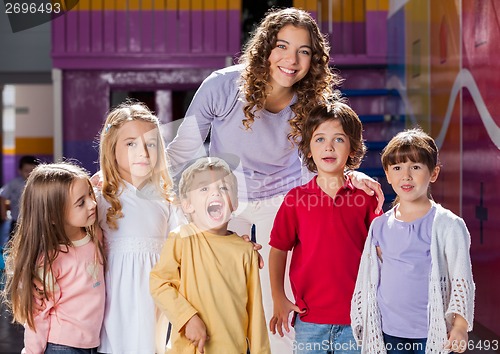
x=404, y=276
x=268, y=163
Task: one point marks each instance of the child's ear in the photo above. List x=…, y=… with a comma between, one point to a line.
x=435, y=174
x=387, y=177
x=186, y=205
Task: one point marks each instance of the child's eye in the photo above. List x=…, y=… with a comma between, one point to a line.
x=320, y=140
x=281, y=46
x=203, y=189
x=306, y=52
x=396, y=168
x=339, y=140
x=151, y=145
x=131, y=144
x=224, y=188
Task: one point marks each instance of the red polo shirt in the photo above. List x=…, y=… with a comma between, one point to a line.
x=327, y=236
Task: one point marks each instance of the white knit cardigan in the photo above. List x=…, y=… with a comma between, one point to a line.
x=451, y=288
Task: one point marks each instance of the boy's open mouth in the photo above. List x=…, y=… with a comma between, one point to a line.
x=214, y=210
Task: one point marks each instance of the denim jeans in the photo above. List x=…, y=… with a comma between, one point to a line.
x=313, y=338
x=64, y=349
x=397, y=345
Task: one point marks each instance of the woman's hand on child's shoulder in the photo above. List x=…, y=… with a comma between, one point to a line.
x=282, y=309
x=196, y=332
x=369, y=186
x=257, y=247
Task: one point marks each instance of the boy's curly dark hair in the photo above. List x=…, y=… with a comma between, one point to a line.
x=351, y=124
x=318, y=83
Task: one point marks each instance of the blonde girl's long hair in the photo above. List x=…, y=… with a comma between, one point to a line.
x=319, y=82
x=112, y=181
x=40, y=236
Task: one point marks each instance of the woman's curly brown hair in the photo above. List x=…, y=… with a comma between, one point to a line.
x=319, y=82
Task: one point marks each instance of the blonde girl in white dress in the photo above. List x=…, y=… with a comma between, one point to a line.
x=136, y=215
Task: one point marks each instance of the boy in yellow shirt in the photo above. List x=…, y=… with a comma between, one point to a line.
x=207, y=279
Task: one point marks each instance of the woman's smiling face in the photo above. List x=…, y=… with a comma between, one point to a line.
x=290, y=59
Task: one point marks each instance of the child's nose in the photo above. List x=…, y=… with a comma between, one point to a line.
x=92, y=204
x=406, y=174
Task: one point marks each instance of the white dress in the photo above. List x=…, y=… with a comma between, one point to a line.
x=132, y=250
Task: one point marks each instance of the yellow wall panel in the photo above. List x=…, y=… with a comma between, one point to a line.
x=83, y=5
x=96, y=5
x=34, y=146
x=379, y=5
x=159, y=4
x=359, y=11
x=372, y=5
x=347, y=11
x=171, y=4
x=337, y=10
x=146, y=4
x=300, y=4
x=312, y=5
x=120, y=5
x=209, y=5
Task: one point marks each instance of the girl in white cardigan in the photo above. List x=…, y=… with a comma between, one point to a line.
x=414, y=292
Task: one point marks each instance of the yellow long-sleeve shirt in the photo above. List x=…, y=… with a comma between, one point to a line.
x=217, y=278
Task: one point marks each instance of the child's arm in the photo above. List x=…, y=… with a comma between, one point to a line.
x=456, y=241
x=282, y=306
x=35, y=340
x=196, y=332
x=164, y=283
x=257, y=329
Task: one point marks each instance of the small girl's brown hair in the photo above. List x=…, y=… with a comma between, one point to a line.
x=350, y=123
x=414, y=145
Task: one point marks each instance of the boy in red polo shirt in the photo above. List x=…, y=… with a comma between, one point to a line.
x=325, y=223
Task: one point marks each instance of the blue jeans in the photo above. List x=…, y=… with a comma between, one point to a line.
x=64, y=349
x=397, y=345
x=313, y=338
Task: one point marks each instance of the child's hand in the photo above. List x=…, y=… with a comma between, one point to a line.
x=256, y=246
x=38, y=297
x=196, y=332
x=282, y=310
x=458, y=337
x=96, y=180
